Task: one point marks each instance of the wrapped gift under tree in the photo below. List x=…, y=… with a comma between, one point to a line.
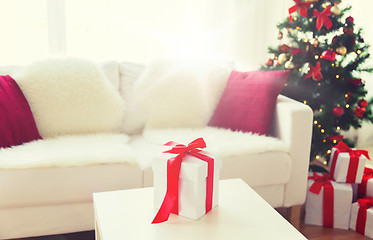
x=328, y=203
x=362, y=216
x=347, y=164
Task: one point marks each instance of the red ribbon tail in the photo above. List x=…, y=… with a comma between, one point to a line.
x=171, y=199
x=328, y=23
x=319, y=22
x=293, y=9
x=165, y=209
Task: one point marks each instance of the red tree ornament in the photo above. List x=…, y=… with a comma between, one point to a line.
x=359, y=111
x=328, y=55
x=338, y=111
x=349, y=20
x=363, y=103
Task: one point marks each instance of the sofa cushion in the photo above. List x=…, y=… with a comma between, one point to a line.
x=223, y=142
x=71, y=96
x=268, y=156
x=248, y=101
x=180, y=93
x=17, y=125
x=64, y=185
x=68, y=151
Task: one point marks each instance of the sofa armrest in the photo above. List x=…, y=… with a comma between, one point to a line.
x=292, y=123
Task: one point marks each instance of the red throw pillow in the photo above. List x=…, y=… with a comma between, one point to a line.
x=248, y=101
x=17, y=124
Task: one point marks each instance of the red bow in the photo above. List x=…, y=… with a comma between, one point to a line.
x=303, y=6
x=323, y=18
x=170, y=201
x=354, y=160
x=314, y=72
x=364, y=203
x=323, y=181
x=362, y=187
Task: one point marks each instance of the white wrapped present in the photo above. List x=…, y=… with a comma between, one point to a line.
x=192, y=183
x=338, y=204
x=365, y=188
x=346, y=164
x=362, y=220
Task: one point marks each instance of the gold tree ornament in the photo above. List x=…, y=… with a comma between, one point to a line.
x=289, y=65
x=342, y=50
x=335, y=10
x=282, y=58
x=311, y=1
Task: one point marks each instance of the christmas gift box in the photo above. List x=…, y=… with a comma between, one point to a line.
x=362, y=216
x=328, y=203
x=346, y=164
x=186, y=184
x=365, y=188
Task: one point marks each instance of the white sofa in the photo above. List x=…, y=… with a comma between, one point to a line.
x=54, y=195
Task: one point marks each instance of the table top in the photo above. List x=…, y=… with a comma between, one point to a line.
x=241, y=214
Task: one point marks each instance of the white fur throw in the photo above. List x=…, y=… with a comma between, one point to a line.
x=222, y=142
x=181, y=93
x=71, y=96
x=68, y=151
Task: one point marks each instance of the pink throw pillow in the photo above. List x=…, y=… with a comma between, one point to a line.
x=248, y=101
x=17, y=124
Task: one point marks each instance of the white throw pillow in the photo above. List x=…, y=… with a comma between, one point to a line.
x=181, y=93
x=134, y=114
x=71, y=96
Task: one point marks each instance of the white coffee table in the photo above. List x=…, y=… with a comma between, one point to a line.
x=241, y=214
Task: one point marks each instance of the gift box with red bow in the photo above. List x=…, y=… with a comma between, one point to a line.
x=365, y=188
x=362, y=216
x=347, y=164
x=186, y=181
x=328, y=203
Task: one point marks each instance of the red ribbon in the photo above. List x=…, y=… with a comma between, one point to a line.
x=323, y=181
x=171, y=200
x=323, y=18
x=365, y=204
x=314, y=72
x=362, y=187
x=354, y=160
x=303, y=6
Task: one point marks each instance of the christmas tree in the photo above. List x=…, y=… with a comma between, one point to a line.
x=326, y=54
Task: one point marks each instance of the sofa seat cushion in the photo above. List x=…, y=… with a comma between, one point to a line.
x=259, y=160
x=224, y=142
x=64, y=185
x=68, y=151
